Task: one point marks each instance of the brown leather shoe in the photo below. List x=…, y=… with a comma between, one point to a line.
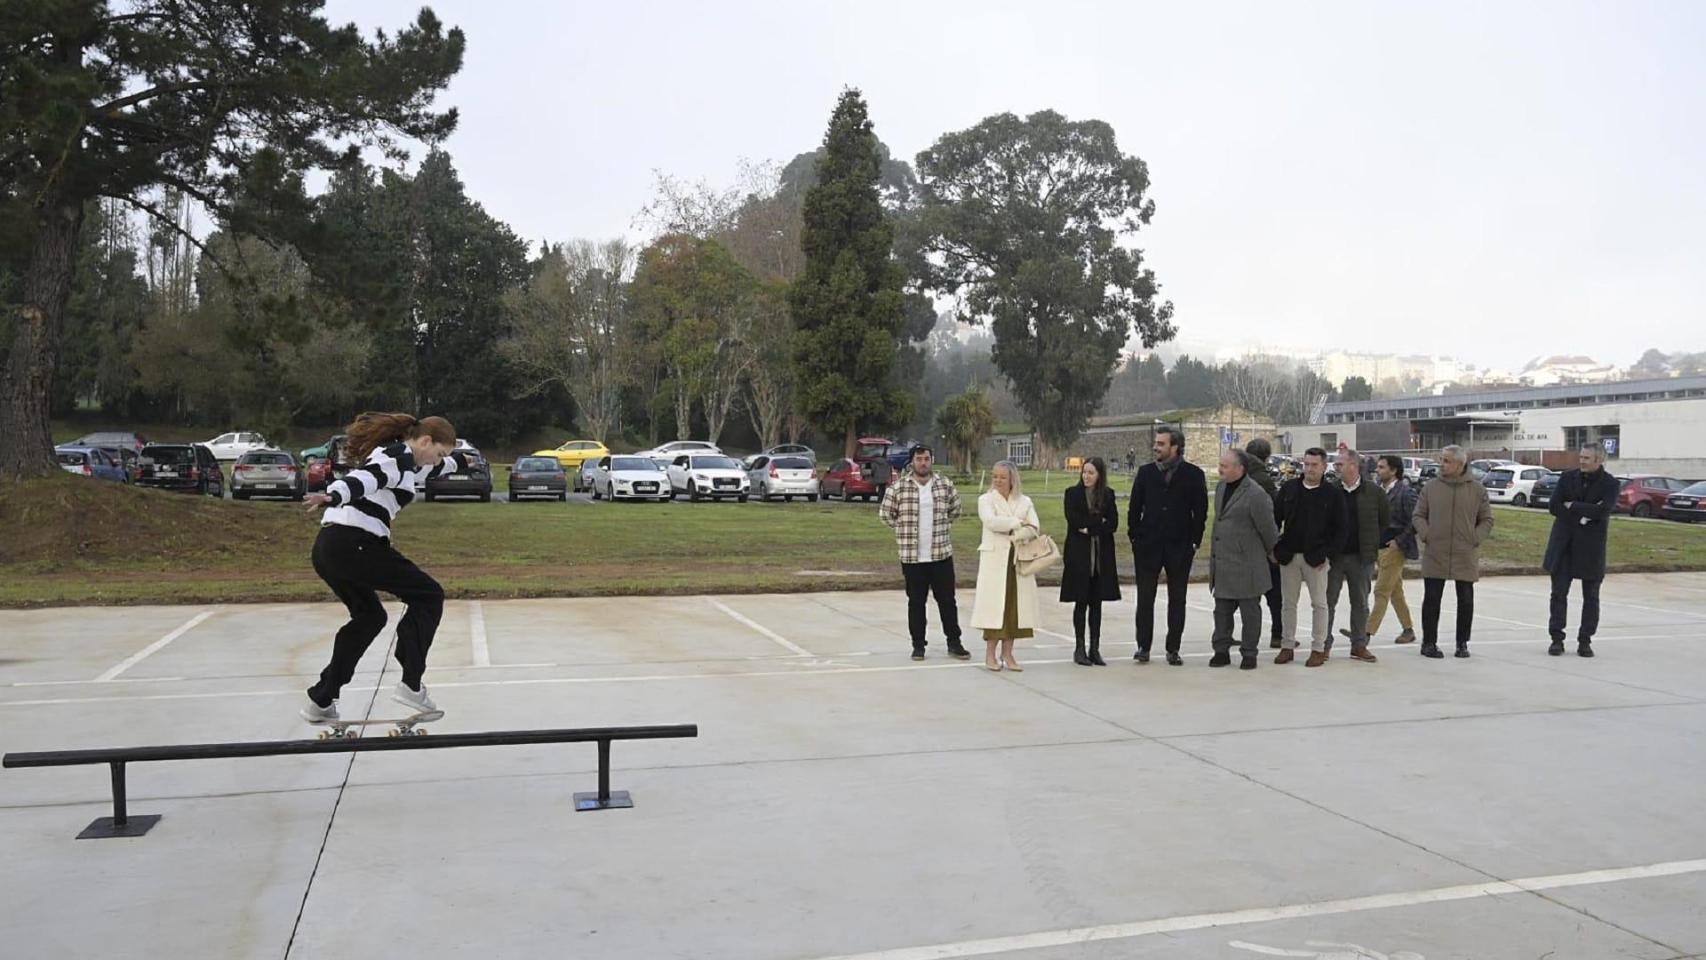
x=1361, y=653
x=1316, y=658
x=1284, y=656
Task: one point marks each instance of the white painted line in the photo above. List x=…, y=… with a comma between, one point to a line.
x=153, y=648
x=1321, y=908
x=477, y=632
x=1057, y=636
x=760, y=628
x=62, y=683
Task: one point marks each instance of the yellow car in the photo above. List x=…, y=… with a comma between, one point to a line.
x=574, y=453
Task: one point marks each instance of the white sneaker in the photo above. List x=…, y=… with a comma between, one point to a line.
x=418, y=702
x=314, y=713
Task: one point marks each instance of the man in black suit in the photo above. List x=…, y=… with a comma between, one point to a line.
x=1166, y=519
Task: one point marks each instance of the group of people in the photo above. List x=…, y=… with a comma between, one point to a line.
x=1271, y=542
x=1268, y=543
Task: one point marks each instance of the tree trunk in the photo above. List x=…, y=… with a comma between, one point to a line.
x=850, y=444
x=26, y=382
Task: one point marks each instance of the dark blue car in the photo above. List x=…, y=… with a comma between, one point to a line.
x=91, y=462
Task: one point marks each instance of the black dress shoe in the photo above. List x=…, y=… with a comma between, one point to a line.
x=1141, y=656
x=959, y=653
x=1584, y=649
x=1247, y=663
x=917, y=653
x=1220, y=660
x=1462, y=651
x=1556, y=649
x=1431, y=651
x=1173, y=659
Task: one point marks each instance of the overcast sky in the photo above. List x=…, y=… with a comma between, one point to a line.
x=1490, y=180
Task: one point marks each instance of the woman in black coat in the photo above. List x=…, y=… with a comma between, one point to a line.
x=1090, y=576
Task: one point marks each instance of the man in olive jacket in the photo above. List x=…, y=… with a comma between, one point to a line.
x=1581, y=522
x=1367, y=511
x=1453, y=518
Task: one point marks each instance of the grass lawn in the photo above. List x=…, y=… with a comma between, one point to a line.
x=69, y=540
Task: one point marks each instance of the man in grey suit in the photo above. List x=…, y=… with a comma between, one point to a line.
x=1243, y=540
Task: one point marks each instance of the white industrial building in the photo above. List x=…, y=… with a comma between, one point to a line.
x=1645, y=426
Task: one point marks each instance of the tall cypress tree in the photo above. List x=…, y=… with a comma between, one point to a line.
x=847, y=303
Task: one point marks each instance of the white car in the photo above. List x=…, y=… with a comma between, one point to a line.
x=665, y=453
x=629, y=478
x=708, y=475
x=783, y=450
x=1512, y=485
x=782, y=476
x=232, y=446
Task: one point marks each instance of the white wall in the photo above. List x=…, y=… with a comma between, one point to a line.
x=1658, y=436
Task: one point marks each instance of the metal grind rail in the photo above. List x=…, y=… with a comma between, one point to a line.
x=124, y=824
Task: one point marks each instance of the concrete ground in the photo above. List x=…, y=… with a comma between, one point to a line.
x=842, y=801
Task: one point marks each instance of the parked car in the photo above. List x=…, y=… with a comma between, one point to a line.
x=1413, y=467
x=630, y=478
x=873, y=455
x=1488, y=464
x=326, y=463
x=538, y=478
x=1541, y=495
x=268, y=473
x=1687, y=504
x=1431, y=470
x=664, y=453
x=783, y=450
x=589, y=471
x=127, y=458
x=185, y=467
x=232, y=446
x=786, y=477
x=476, y=481
x=900, y=453
x=574, y=453
x=1512, y=485
x=90, y=462
x=1644, y=494
x=846, y=479
x=110, y=438
x=707, y=475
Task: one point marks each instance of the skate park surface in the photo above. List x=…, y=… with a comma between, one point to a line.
x=843, y=801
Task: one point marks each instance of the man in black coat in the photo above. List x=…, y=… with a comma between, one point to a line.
x=1581, y=511
x=1165, y=522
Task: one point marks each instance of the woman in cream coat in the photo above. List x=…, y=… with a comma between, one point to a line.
x=1006, y=605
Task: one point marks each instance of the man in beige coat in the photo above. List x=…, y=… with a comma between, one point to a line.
x=1453, y=518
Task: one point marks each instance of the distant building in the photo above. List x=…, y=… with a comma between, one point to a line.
x=1551, y=371
x=1208, y=431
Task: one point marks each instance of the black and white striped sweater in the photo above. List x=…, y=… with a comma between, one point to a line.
x=370, y=496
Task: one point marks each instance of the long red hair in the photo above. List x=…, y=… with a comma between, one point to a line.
x=370, y=431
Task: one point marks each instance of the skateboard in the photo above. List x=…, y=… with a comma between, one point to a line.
x=405, y=727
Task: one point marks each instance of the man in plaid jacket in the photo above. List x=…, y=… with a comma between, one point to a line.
x=921, y=508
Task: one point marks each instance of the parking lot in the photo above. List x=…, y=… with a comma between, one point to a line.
x=842, y=801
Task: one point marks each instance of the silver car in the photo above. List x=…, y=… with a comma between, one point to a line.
x=784, y=476
x=629, y=478
x=268, y=473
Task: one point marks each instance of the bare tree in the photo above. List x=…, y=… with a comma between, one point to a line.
x=1257, y=385
x=567, y=328
x=768, y=341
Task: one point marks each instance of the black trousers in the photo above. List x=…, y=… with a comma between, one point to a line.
x=1175, y=560
x=924, y=580
x=1561, y=605
x=1433, y=591
x=357, y=565
x=1091, y=610
x=1273, y=597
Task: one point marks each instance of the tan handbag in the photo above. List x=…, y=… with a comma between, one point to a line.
x=1035, y=555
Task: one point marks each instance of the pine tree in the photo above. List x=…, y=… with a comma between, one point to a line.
x=847, y=304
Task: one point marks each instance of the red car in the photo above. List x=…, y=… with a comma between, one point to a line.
x=1644, y=494
x=847, y=479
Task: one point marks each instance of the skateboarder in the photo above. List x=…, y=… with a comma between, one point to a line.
x=354, y=555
